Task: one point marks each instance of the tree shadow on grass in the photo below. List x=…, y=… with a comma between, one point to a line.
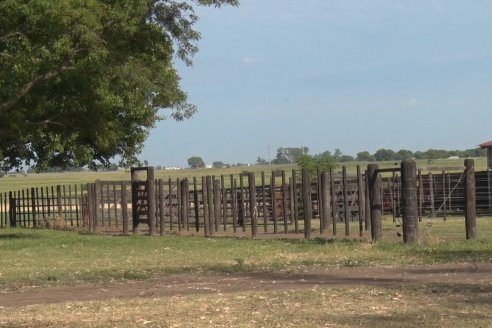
x=17, y=235
x=459, y=255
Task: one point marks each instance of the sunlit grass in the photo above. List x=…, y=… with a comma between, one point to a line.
x=41, y=257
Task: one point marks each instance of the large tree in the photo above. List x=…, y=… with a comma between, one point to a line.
x=83, y=81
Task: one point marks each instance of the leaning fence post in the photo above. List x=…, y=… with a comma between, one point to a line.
x=307, y=204
x=470, y=200
x=375, y=201
x=409, y=201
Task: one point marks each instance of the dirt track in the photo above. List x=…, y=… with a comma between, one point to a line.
x=229, y=283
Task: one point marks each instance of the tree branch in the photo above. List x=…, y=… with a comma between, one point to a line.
x=31, y=84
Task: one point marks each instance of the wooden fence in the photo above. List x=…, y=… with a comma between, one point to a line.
x=275, y=203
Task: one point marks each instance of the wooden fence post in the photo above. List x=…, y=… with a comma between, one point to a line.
x=295, y=200
x=346, y=209
x=12, y=211
x=361, y=200
x=197, y=205
x=470, y=200
x=161, y=207
x=252, y=204
x=307, y=204
x=124, y=208
x=210, y=201
x=273, y=202
x=431, y=195
x=367, y=212
x=33, y=205
x=263, y=200
x=284, y=202
x=58, y=201
x=97, y=202
x=409, y=201
x=326, y=200
x=375, y=201
x=206, y=222
x=421, y=194
x=444, y=200
x=179, y=199
x=334, y=206
x=217, y=203
x=151, y=200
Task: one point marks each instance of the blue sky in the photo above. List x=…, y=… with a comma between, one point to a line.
x=349, y=74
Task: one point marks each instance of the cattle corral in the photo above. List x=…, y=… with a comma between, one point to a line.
x=259, y=204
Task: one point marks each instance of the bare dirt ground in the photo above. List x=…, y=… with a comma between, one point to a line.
x=188, y=284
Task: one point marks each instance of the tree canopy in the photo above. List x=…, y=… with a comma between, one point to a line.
x=82, y=82
x=196, y=162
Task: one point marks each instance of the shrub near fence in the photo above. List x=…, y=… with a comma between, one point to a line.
x=245, y=204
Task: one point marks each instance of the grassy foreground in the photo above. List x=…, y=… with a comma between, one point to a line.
x=50, y=258
x=426, y=306
x=43, y=257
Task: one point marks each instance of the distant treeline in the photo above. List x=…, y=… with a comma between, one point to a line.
x=287, y=155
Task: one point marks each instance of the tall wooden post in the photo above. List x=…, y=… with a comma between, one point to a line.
x=367, y=212
x=470, y=200
x=307, y=204
x=444, y=197
x=346, y=209
x=217, y=203
x=326, y=200
x=210, y=201
x=361, y=200
x=124, y=208
x=409, y=201
x=197, y=205
x=375, y=201
x=33, y=206
x=206, y=222
x=431, y=191
x=263, y=200
x=252, y=204
x=161, y=207
x=334, y=206
x=151, y=200
x=273, y=190
x=421, y=194
x=296, y=203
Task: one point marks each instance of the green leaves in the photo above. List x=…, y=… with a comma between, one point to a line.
x=84, y=81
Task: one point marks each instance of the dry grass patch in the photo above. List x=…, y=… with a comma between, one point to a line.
x=426, y=306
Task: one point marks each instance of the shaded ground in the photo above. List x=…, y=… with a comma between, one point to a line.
x=188, y=284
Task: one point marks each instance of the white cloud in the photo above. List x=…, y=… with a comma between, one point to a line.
x=411, y=101
x=251, y=60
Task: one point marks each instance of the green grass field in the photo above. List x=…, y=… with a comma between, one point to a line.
x=18, y=181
